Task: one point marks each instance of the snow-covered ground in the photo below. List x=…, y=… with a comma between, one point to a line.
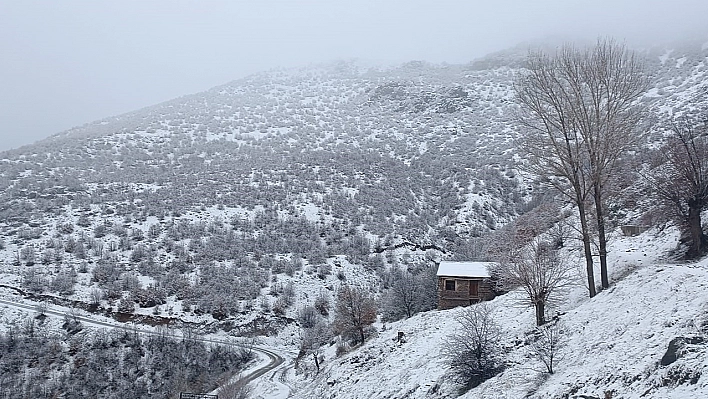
x=614, y=342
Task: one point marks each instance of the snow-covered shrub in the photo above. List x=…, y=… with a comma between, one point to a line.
x=33, y=280
x=280, y=306
x=473, y=352
x=149, y=297
x=63, y=283
x=342, y=348
x=322, y=303
x=235, y=390
x=324, y=270
x=126, y=305
x=307, y=316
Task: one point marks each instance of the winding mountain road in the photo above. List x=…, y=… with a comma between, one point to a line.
x=274, y=360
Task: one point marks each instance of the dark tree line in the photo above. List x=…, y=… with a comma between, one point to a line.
x=110, y=364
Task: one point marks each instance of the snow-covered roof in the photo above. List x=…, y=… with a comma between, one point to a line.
x=464, y=269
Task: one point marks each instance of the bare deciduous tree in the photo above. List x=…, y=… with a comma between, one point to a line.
x=409, y=293
x=307, y=316
x=474, y=352
x=547, y=342
x=680, y=182
x=538, y=270
x=313, y=338
x=609, y=117
x=401, y=299
x=354, y=311
x=580, y=115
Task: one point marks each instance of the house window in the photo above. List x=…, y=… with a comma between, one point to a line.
x=450, y=285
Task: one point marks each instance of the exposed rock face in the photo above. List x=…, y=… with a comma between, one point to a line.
x=677, y=347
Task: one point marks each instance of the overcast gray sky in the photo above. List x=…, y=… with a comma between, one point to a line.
x=65, y=63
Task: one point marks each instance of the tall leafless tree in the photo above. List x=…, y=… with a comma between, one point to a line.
x=578, y=108
x=680, y=182
x=609, y=117
x=551, y=143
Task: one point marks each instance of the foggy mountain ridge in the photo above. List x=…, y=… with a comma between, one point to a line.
x=404, y=115
x=444, y=74
x=317, y=113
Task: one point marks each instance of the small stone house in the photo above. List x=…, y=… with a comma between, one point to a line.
x=463, y=283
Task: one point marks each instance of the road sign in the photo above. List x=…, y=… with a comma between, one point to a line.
x=186, y=395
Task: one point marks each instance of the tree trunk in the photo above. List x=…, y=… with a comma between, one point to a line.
x=317, y=361
x=697, y=246
x=361, y=333
x=602, y=239
x=588, y=251
x=540, y=306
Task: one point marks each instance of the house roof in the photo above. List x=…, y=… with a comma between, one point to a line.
x=464, y=269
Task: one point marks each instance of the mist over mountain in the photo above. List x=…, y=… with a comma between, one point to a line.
x=410, y=143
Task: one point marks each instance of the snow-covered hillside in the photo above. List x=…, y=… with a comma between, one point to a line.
x=614, y=343
x=232, y=210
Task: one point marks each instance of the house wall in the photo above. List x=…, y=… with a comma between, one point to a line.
x=461, y=296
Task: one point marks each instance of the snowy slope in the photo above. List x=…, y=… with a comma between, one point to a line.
x=614, y=341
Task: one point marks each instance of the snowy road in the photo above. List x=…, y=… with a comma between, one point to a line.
x=272, y=359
